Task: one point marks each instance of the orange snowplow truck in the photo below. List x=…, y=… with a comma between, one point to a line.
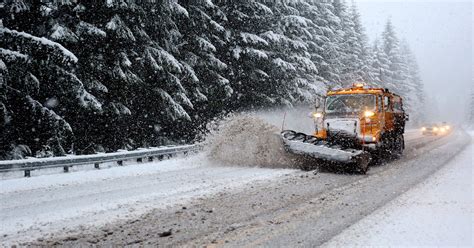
x=353, y=126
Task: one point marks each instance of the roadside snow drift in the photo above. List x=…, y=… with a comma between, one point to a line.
x=437, y=212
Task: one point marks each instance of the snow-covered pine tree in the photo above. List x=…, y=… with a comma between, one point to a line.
x=319, y=34
x=247, y=55
x=88, y=42
x=371, y=73
x=141, y=78
x=415, y=95
x=379, y=64
x=292, y=71
x=80, y=26
x=164, y=95
x=402, y=75
x=396, y=74
x=331, y=65
x=41, y=91
x=308, y=83
x=350, y=48
x=204, y=37
x=362, y=52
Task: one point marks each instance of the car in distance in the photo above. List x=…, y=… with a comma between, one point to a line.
x=434, y=129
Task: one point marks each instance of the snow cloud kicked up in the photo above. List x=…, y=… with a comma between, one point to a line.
x=248, y=141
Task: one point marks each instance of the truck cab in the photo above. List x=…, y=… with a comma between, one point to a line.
x=366, y=116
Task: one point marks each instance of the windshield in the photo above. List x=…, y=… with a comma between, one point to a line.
x=350, y=103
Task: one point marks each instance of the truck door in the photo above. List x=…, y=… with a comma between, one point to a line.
x=387, y=106
x=380, y=112
x=399, y=114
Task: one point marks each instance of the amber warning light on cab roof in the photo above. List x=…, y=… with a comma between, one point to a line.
x=358, y=85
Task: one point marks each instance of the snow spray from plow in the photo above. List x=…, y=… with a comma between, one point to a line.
x=249, y=141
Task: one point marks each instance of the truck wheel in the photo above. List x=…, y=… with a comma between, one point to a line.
x=363, y=168
x=398, y=145
x=362, y=164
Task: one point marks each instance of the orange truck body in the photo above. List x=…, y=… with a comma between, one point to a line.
x=387, y=117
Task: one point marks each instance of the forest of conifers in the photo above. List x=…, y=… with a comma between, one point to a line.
x=82, y=76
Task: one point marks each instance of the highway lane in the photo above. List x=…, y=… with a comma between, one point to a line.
x=290, y=207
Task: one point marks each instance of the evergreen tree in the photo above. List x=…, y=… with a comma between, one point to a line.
x=379, y=64
x=395, y=76
x=246, y=54
x=292, y=68
x=165, y=77
x=350, y=48
x=331, y=64
x=415, y=97
x=363, y=54
x=311, y=35
x=39, y=79
x=399, y=72
x=204, y=38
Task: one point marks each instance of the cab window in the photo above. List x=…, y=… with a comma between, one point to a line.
x=379, y=104
x=386, y=103
x=397, y=106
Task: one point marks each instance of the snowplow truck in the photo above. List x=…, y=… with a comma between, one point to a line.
x=353, y=126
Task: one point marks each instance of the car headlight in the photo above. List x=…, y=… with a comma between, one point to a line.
x=423, y=129
x=442, y=129
x=435, y=129
x=368, y=114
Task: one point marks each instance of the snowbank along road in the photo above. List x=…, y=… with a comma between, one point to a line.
x=193, y=201
x=437, y=212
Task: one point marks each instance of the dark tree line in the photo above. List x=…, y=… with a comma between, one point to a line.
x=82, y=76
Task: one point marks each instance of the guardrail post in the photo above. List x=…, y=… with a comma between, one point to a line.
x=66, y=168
x=161, y=157
x=96, y=165
x=27, y=173
x=139, y=160
x=120, y=162
x=150, y=158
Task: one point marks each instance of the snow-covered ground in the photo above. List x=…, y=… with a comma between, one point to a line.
x=44, y=204
x=32, y=207
x=438, y=212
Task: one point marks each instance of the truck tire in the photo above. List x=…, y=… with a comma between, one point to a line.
x=398, y=146
x=363, y=168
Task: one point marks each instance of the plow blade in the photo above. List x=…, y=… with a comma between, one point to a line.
x=323, y=153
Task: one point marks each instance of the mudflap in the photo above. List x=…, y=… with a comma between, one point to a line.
x=314, y=153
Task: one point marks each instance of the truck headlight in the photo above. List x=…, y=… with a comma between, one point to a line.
x=368, y=114
x=435, y=129
x=317, y=115
x=423, y=129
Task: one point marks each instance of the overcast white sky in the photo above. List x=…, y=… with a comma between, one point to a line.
x=440, y=34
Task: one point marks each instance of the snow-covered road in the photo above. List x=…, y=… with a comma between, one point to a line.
x=31, y=206
x=39, y=206
x=438, y=212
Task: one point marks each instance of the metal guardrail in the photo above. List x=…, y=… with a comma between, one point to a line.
x=27, y=165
